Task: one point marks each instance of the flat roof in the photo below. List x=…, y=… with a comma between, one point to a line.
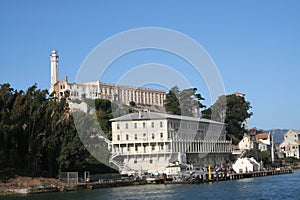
x=156, y=115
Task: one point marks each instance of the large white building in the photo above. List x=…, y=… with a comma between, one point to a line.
x=99, y=90
x=149, y=141
x=291, y=144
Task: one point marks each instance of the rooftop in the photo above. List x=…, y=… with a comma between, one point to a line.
x=155, y=115
x=262, y=136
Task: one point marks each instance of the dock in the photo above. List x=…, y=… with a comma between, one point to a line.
x=109, y=183
x=260, y=173
x=215, y=177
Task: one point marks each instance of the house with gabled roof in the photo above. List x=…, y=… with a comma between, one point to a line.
x=290, y=147
x=244, y=165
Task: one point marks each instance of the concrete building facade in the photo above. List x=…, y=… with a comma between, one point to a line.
x=98, y=90
x=291, y=144
x=149, y=142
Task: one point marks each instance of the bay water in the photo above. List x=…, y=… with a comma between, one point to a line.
x=286, y=186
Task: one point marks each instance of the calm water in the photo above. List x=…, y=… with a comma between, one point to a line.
x=285, y=186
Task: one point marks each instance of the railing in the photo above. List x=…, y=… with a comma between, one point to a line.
x=118, y=164
x=105, y=139
x=125, y=153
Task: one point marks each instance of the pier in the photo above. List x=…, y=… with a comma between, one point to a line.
x=260, y=173
x=120, y=182
x=215, y=177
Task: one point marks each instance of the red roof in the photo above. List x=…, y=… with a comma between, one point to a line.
x=262, y=136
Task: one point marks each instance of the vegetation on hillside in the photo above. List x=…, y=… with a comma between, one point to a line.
x=233, y=110
x=38, y=136
x=183, y=102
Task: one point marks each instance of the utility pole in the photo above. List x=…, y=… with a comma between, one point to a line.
x=272, y=148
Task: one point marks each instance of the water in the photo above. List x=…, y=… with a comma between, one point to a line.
x=285, y=186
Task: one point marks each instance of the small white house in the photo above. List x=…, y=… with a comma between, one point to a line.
x=246, y=143
x=175, y=170
x=262, y=139
x=243, y=165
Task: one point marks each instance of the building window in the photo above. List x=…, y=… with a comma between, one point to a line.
x=152, y=124
x=161, y=135
x=135, y=125
x=135, y=161
x=135, y=136
x=118, y=137
x=153, y=147
x=144, y=124
x=161, y=124
x=150, y=161
x=118, y=126
x=126, y=125
x=144, y=135
x=153, y=136
x=127, y=137
x=128, y=149
x=136, y=148
x=162, y=147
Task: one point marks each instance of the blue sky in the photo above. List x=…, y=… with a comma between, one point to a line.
x=255, y=44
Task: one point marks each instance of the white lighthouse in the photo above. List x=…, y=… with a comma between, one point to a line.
x=54, y=69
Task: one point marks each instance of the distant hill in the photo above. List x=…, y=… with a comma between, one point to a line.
x=278, y=134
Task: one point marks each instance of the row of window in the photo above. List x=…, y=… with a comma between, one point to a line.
x=174, y=125
x=153, y=147
x=135, y=125
x=144, y=136
x=150, y=161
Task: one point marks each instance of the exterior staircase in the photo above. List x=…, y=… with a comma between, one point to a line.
x=105, y=139
x=119, y=164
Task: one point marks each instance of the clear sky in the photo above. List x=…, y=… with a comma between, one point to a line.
x=255, y=44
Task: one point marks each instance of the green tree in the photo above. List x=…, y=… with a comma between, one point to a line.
x=37, y=134
x=185, y=102
x=264, y=156
x=190, y=102
x=233, y=110
x=172, y=104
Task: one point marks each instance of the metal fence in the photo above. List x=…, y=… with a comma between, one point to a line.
x=68, y=177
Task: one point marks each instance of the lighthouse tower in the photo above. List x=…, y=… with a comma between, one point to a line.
x=54, y=69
